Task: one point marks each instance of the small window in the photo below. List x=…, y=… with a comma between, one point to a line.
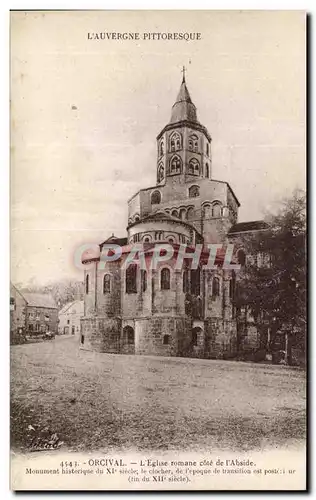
x=195, y=281
x=207, y=149
x=215, y=287
x=166, y=339
x=82, y=339
x=165, y=279
x=175, y=142
x=155, y=198
x=68, y=321
x=87, y=283
x=159, y=235
x=161, y=173
x=194, y=191
x=144, y=280
x=190, y=214
x=106, y=284
x=216, y=210
x=194, y=167
x=175, y=165
x=162, y=148
x=128, y=334
x=131, y=279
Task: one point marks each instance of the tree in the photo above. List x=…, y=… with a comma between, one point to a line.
x=63, y=291
x=273, y=283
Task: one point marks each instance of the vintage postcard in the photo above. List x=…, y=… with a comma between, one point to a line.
x=158, y=250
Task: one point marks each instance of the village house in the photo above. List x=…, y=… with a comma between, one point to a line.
x=69, y=318
x=18, y=307
x=42, y=314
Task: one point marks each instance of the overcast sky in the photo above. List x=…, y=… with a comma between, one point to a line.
x=85, y=116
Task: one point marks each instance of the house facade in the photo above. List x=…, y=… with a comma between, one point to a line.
x=167, y=309
x=69, y=318
x=42, y=314
x=18, y=313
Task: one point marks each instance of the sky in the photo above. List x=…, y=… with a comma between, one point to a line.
x=85, y=115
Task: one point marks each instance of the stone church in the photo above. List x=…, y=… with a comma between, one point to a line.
x=164, y=310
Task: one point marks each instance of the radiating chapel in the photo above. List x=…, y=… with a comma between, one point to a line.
x=164, y=310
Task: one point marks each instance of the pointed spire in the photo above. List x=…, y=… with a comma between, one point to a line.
x=183, y=108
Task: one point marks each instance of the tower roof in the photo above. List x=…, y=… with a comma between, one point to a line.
x=183, y=108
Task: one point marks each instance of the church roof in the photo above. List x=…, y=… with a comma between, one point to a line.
x=183, y=109
x=114, y=239
x=254, y=225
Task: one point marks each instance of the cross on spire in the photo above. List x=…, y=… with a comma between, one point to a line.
x=183, y=72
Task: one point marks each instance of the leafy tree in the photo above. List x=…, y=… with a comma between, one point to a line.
x=273, y=282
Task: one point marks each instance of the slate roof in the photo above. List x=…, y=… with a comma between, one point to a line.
x=68, y=305
x=40, y=300
x=183, y=109
x=254, y=225
x=115, y=240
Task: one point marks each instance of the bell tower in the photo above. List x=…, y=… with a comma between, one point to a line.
x=183, y=145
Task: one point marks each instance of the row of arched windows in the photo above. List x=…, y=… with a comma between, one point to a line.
x=175, y=167
x=176, y=143
x=190, y=281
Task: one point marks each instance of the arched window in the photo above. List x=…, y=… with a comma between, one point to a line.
x=171, y=240
x=87, y=283
x=136, y=218
x=144, y=280
x=207, y=149
x=162, y=148
x=207, y=171
x=182, y=214
x=215, y=287
x=165, y=279
x=190, y=213
x=194, y=191
x=175, y=142
x=155, y=198
x=174, y=213
x=166, y=339
x=131, y=279
x=194, y=167
x=185, y=281
x=195, y=335
x=158, y=235
x=207, y=211
x=147, y=239
x=129, y=335
x=193, y=143
x=161, y=173
x=241, y=257
x=216, y=210
x=107, y=283
x=195, y=281
x=175, y=165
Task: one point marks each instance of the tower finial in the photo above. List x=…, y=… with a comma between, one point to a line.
x=183, y=72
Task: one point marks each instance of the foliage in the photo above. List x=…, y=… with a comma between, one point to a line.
x=273, y=283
